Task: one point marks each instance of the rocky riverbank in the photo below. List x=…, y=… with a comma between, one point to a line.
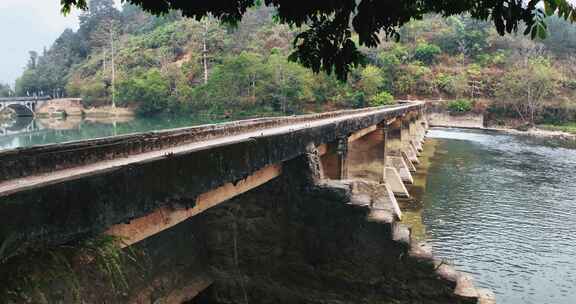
x=537, y=132
x=74, y=107
x=478, y=121
x=108, y=112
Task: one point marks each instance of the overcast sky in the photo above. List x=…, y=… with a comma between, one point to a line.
x=28, y=25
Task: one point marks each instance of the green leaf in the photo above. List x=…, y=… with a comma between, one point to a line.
x=542, y=32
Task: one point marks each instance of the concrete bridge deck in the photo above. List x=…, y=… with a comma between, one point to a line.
x=270, y=127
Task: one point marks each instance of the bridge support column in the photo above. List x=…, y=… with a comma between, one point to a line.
x=412, y=131
x=395, y=160
x=334, y=161
x=408, y=150
x=390, y=176
x=383, y=133
x=416, y=134
x=424, y=125
x=365, y=154
x=367, y=160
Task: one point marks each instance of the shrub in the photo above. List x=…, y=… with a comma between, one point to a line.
x=570, y=84
x=381, y=99
x=393, y=57
x=371, y=79
x=357, y=99
x=426, y=52
x=453, y=85
x=489, y=59
x=460, y=106
x=414, y=79
x=151, y=90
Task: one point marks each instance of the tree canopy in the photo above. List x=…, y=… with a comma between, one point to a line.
x=326, y=42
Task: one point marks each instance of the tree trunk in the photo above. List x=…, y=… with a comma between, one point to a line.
x=205, y=51
x=113, y=67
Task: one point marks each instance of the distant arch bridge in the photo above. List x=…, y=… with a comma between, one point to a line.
x=23, y=106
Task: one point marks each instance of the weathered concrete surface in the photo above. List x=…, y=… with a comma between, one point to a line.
x=166, y=217
x=324, y=243
x=366, y=156
x=335, y=159
x=106, y=152
x=395, y=183
x=401, y=166
x=111, y=185
x=445, y=119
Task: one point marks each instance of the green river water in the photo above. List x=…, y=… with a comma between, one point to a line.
x=26, y=131
x=502, y=208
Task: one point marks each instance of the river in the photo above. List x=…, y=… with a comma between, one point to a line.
x=502, y=208
x=498, y=206
x=27, y=131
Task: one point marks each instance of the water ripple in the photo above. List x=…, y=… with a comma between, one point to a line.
x=502, y=208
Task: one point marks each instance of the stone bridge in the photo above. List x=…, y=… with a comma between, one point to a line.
x=23, y=106
x=30, y=106
x=269, y=209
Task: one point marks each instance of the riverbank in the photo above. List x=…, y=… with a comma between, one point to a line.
x=108, y=112
x=74, y=107
x=477, y=121
x=537, y=132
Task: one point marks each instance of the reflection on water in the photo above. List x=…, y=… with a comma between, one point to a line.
x=28, y=131
x=502, y=208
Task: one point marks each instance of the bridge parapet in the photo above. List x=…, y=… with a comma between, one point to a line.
x=27, y=98
x=43, y=159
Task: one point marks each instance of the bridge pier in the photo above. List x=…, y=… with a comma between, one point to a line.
x=421, y=129
x=367, y=159
x=335, y=159
x=414, y=135
x=365, y=154
x=395, y=155
x=409, y=152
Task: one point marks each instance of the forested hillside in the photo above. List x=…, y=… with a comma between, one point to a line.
x=172, y=64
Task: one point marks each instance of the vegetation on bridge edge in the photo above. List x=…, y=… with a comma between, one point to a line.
x=36, y=275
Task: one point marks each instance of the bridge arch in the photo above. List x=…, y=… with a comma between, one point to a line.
x=26, y=109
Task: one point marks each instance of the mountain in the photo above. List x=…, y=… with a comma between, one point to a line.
x=171, y=64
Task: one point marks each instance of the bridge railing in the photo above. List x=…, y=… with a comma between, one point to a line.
x=28, y=98
x=29, y=161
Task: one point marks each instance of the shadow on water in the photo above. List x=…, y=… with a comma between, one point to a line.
x=500, y=207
